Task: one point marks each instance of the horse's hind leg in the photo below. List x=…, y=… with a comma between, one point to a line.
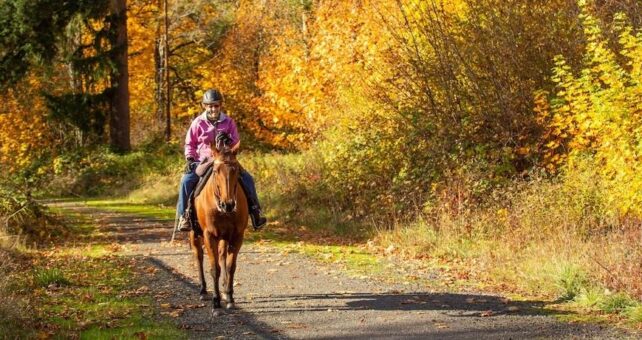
x=197, y=249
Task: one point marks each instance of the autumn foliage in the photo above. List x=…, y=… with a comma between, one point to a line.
x=451, y=112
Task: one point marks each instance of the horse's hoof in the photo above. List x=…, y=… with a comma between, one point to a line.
x=203, y=297
x=216, y=313
x=229, y=305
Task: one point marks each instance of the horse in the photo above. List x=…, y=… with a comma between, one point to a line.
x=222, y=212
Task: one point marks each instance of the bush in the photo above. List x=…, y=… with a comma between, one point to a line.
x=22, y=217
x=593, y=118
x=102, y=172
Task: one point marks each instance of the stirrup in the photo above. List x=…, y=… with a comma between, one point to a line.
x=183, y=224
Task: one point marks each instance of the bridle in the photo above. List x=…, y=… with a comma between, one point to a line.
x=217, y=189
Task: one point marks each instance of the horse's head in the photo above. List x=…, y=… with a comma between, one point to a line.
x=225, y=176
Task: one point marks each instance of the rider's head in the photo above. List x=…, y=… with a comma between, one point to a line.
x=212, y=102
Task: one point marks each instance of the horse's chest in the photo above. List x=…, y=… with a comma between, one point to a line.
x=223, y=225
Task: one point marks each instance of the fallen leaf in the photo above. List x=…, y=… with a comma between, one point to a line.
x=176, y=313
x=486, y=313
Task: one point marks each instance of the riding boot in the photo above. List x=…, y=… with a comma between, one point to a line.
x=185, y=221
x=258, y=221
x=247, y=183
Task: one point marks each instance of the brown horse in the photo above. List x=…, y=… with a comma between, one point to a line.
x=222, y=212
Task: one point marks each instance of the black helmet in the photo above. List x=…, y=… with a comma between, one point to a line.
x=211, y=96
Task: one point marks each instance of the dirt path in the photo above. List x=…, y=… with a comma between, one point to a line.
x=282, y=296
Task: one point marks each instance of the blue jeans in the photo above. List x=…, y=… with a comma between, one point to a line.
x=189, y=181
x=247, y=182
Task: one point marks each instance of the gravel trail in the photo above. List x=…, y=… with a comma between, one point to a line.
x=284, y=295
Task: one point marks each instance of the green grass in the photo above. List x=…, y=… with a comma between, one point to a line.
x=589, y=298
x=634, y=313
x=97, y=305
x=572, y=280
x=47, y=276
x=135, y=328
x=616, y=303
x=129, y=207
x=77, y=223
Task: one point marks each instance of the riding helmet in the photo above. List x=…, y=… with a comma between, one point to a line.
x=211, y=96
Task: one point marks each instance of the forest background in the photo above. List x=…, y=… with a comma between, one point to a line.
x=501, y=137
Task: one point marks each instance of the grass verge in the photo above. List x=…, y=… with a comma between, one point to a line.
x=92, y=297
x=77, y=292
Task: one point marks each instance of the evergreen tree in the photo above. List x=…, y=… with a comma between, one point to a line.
x=37, y=32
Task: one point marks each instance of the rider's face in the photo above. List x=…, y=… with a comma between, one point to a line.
x=213, y=108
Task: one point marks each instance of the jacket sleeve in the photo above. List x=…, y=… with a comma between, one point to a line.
x=191, y=141
x=234, y=133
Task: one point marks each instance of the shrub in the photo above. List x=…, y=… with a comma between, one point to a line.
x=22, y=216
x=593, y=120
x=102, y=172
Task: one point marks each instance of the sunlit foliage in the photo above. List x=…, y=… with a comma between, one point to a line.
x=595, y=119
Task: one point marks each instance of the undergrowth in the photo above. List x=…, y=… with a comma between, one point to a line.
x=545, y=236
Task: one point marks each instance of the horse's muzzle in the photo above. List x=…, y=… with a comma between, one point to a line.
x=227, y=207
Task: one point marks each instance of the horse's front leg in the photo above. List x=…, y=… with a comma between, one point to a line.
x=230, y=268
x=215, y=270
x=223, y=259
x=197, y=249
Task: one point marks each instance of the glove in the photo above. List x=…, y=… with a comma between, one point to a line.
x=222, y=140
x=190, y=165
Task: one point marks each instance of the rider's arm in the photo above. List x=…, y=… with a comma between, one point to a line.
x=236, y=147
x=191, y=141
x=234, y=135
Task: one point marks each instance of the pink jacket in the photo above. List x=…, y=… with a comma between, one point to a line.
x=202, y=133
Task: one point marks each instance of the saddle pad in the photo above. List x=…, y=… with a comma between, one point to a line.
x=202, y=168
x=206, y=173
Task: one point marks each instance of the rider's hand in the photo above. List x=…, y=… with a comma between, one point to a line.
x=222, y=140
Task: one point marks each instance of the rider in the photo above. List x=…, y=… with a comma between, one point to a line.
x=208, y=130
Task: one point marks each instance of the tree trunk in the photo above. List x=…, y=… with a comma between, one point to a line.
x=168, y=88
x=119, y=118
x=159, y=93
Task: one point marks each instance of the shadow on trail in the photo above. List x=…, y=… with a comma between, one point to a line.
x=187, y=291
x=465, y=305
